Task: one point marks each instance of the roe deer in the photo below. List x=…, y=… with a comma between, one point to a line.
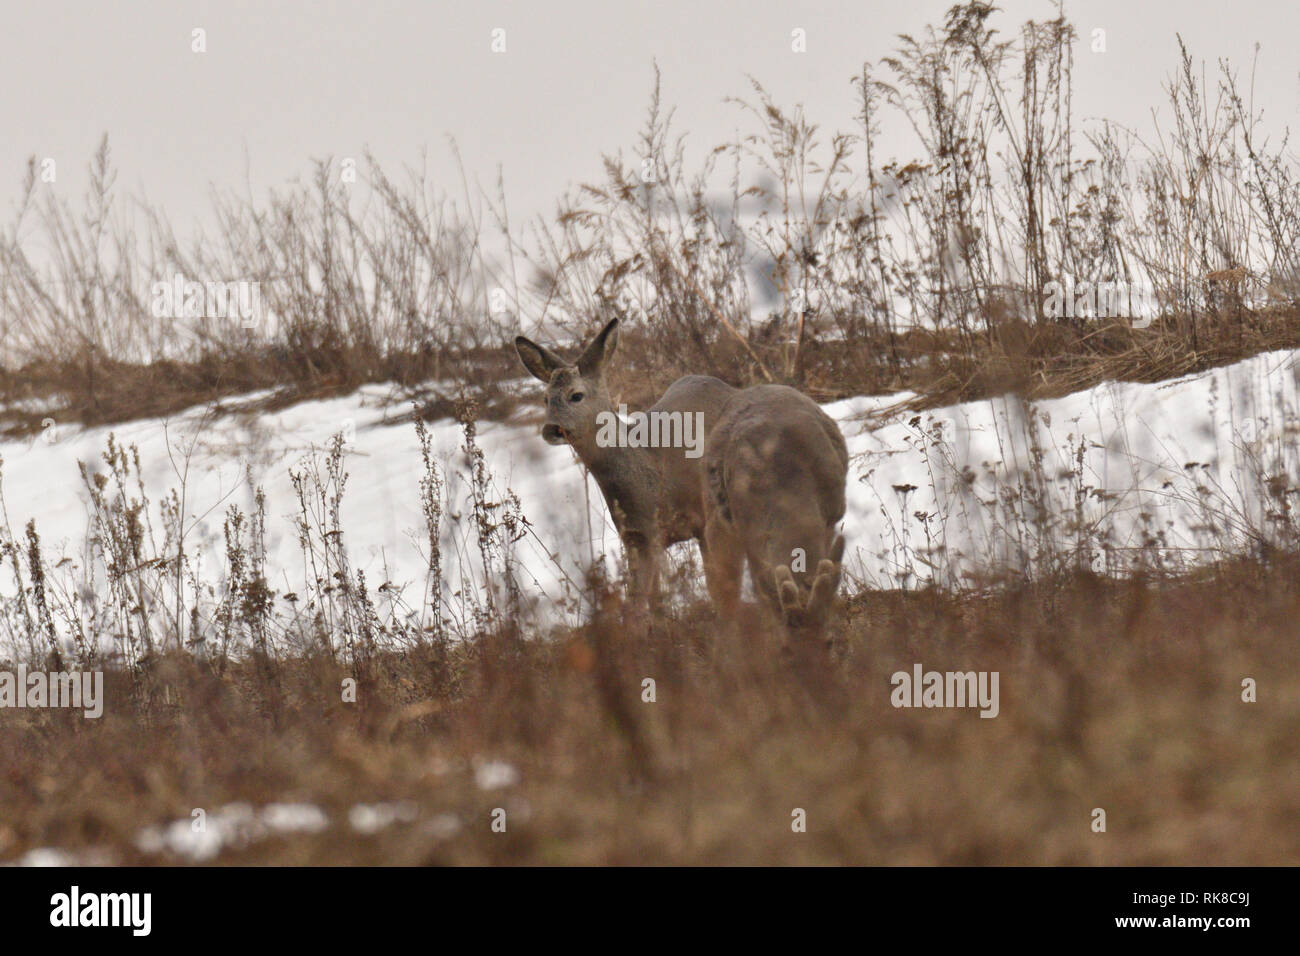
x=766, y=487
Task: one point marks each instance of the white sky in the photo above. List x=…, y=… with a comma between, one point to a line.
x=283, y=82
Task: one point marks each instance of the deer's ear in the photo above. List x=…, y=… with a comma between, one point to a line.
x=538, y=359
x=592, y=361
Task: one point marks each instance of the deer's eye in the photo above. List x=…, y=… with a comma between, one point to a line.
x=576, y=397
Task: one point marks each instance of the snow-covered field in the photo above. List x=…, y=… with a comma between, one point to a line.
x=936, y=498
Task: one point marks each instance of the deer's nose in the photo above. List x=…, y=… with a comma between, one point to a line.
x=555, y=435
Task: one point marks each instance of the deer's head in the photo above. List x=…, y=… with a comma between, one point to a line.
x=575, y=393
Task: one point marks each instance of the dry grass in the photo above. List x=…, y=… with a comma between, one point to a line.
x=1121, y=695
x=1124, y=696
x=785, y=255
x=109, y=392
x=1034, y=360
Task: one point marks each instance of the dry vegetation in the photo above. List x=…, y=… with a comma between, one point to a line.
x=785, y=255
x=1124, y=696
x=1119, y=693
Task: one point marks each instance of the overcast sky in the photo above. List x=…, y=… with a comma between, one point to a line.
x=283, y=82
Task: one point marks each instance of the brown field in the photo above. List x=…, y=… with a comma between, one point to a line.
x=1123, y=696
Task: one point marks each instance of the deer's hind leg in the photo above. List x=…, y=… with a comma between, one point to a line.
x=724, y=564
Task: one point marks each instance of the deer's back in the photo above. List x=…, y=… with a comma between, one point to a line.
x=775, y=456
x=682, y=499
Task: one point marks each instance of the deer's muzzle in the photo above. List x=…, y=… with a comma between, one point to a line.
x=553, y=434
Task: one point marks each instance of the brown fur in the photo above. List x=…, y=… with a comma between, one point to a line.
x=767, y=491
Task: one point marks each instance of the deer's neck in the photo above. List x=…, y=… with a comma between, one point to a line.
x=629, y=479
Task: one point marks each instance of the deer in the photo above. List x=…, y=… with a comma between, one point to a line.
x=766, y=489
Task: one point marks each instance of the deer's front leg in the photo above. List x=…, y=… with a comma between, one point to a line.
x=644, y=553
